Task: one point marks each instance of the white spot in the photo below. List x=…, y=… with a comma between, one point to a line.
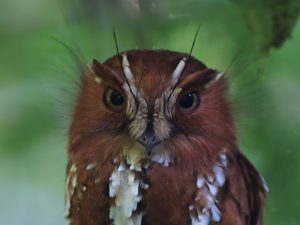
x=210, y=200
x=209, y=189
x=83, y=188
x=121, y=167
x=202, y=219
x=125, y=62
x=71, y=183
x=144, y=185
x=97, y=180
x=98, y=80
x=128, y=74
x=200, y=181
x=114, y=183
x=210, y=179
x=217, y=77
x=162, y=156
x=223, y=159
x=67, y=197
x=220, y=176
x=195, y=220
x=127, y=71
x=91, y=166
x=74, y=181
x=191, y=207
x=215, y=212
x=212, y=189
x=264, y=183
x=73, y=168
x=125, y=188
x=178, y=70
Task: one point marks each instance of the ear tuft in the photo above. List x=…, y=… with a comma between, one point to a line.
x=98, y=68
x=215, y=79
x=199, y=78
x=104, y=72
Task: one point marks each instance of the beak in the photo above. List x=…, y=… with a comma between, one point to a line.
x=149, y=141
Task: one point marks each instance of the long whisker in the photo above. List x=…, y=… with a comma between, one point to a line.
x=78, y=60
x=233, y=61
x=186, y=61
x=194, y=41
x=123, y=73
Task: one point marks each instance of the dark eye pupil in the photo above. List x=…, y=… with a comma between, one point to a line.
x=116, y=98
x=187, y=100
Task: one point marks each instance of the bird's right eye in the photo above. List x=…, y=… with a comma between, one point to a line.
x=114, y=99
x=189, y=101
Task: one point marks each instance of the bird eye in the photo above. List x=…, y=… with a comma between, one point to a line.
x=113, y=98
x=189, y=101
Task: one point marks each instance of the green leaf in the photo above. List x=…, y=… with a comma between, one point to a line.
x=270, y=22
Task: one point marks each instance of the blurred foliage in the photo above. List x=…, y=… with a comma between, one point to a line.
x=39, y=82
x=271, y=22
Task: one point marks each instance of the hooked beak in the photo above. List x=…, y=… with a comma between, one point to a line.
x=149, y=141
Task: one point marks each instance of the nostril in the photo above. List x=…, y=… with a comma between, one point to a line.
x=153, y=139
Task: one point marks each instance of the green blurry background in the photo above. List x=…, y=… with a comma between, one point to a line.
x=39, y=82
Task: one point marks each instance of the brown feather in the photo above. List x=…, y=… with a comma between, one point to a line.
x=185, y=185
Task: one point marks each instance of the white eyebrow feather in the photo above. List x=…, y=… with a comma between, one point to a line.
x=178, y=70
x=126, y=68
x=217, y=77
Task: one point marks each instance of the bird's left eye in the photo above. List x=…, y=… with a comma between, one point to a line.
x=189, y=101
x=113, y=98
